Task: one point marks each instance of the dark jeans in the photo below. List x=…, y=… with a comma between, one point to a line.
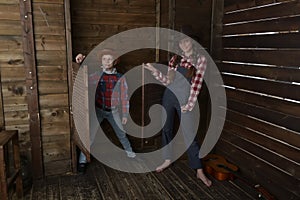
x=187, y=127
x=113, y=117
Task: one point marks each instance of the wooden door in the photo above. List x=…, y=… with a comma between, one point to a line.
x=76, y=140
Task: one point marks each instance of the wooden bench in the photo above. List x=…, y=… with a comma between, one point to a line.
x=7, y=137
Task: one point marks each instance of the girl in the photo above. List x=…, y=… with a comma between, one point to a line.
x=191, y=66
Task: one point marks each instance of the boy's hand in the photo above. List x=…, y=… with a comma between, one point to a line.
x=79, y=58
x=124, y=120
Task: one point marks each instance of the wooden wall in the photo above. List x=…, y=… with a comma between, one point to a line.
x=260, y=68
x=50, y=58
x=14, y=105
x=197, y=13
x=95, y=21
x=262, y=125
x=92, y=22
x=50, y=43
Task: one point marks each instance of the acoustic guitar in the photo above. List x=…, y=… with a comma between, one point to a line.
x=220, y=169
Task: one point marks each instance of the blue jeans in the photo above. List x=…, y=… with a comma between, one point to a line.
x=172, y=106
x=113, y=117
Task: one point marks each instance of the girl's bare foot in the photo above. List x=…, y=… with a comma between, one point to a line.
x=163, y=166
x=203, y=178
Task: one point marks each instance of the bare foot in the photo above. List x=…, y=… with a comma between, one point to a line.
x=163, y=166
x=203, y=178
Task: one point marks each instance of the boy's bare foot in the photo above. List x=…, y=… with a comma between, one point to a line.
x=203, y=178
x=163, y=166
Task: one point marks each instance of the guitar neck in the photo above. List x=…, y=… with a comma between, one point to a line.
x=260, y=189
x=264, y=193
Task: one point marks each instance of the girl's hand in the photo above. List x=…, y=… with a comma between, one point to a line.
x=79, y=58
x=150, y=67
x=124, y=120
x=184, y=109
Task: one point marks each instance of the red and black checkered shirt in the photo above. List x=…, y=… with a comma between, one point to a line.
x=111, y=92
x=197, y=79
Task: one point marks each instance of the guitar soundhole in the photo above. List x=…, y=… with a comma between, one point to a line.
x=223, y=166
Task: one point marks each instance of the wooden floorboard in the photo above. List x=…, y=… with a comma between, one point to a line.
x=224, y=189
x=101, y=182
x=104, y=183
x=52, y=188
x=154, y=189
x=39, y=189
x=188, y=178
x=86, y=187
x=67, y=188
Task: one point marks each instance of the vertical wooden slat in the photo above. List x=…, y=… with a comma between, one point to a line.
x=216, y=28
x=32, y=87
x=261, y=129
x=172, y=8
x=215, y=49
x=1, y=106
x=3, y=185
x=143, y=108
x=70, y=78
x=17, y=164
x=158, y=16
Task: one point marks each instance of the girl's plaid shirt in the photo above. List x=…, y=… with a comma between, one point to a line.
x=197, y=79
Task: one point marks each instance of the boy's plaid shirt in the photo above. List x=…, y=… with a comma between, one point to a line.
x=107, y=96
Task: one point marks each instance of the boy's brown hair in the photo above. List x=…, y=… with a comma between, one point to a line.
x=109, y=52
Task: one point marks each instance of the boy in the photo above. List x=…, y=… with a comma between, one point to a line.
x=108, y=99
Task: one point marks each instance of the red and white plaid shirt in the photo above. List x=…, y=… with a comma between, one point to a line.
x=197, y=79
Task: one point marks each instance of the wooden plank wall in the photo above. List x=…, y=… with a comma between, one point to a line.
x=260, y=68
x=197, y=13
x=49, y=34
x=14, y=104
x=1, y=105
x=95, y=21
x=50, y=42
x=92, y=22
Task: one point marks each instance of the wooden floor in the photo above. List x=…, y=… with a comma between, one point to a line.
x=102, y=182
